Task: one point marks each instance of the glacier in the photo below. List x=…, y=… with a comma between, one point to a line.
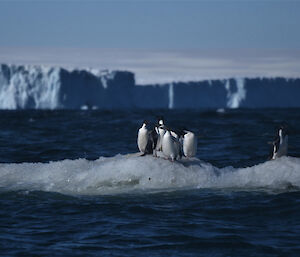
x=39, y=87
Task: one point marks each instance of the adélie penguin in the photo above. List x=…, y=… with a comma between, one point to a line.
x=280, y=144
x=146, y=140
x=189, y=144
x=153, y=140
x=170, y=146
x=160, y=131
x=143, y=138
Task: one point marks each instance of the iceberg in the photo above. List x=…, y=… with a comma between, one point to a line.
x=39, y=87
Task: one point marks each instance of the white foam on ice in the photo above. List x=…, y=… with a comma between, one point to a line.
x=135, y=174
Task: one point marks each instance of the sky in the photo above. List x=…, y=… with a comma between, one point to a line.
x=78, y=33
x=151, y=24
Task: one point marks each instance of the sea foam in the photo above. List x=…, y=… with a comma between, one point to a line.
x=135, y=174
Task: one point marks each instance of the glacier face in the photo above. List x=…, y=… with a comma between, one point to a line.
x=235, y=94
x=38, y=87
x=23, y=87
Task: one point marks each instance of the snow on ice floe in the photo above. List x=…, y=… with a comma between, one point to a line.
x=135, y=174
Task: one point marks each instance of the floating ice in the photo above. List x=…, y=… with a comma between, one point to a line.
x=135, y=174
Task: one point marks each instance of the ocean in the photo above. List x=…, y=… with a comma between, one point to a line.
x=69, y=186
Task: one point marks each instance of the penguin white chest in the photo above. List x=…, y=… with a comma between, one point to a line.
x=142, y=140
x=169, y=146
x=190, y=144
x=283, y=147
x=160, y=133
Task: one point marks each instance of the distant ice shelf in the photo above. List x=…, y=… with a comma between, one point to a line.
x=38, y=87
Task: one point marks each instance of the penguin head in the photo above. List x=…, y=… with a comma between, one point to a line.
x=145, y=123
x=184, y=131
x=160, y=120
x=282, y=131
x=162, y=126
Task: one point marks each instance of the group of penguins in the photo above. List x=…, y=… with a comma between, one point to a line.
x=172, y=143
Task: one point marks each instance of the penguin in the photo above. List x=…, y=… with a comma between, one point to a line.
x=160, y=131
x=189, y=144
x=170, y=146
x=143, y=139
x=153, y=141
x=147, y=140
x=280, y=144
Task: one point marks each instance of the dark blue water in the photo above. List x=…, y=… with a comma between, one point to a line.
x=67, y=187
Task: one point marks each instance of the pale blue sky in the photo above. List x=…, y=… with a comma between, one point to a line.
x=150, y=24
x=160, y=41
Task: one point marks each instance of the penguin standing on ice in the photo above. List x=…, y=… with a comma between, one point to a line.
x=147, y=139
x=143, y=138
x=280, y=144
x=153, y=140
x=170, y=146
x=160, y=131
x=189, y=144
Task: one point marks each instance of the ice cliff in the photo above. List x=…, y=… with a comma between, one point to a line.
x=38, y=87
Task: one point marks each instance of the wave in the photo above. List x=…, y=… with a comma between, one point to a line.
x=38, y=87
x=135, y=174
